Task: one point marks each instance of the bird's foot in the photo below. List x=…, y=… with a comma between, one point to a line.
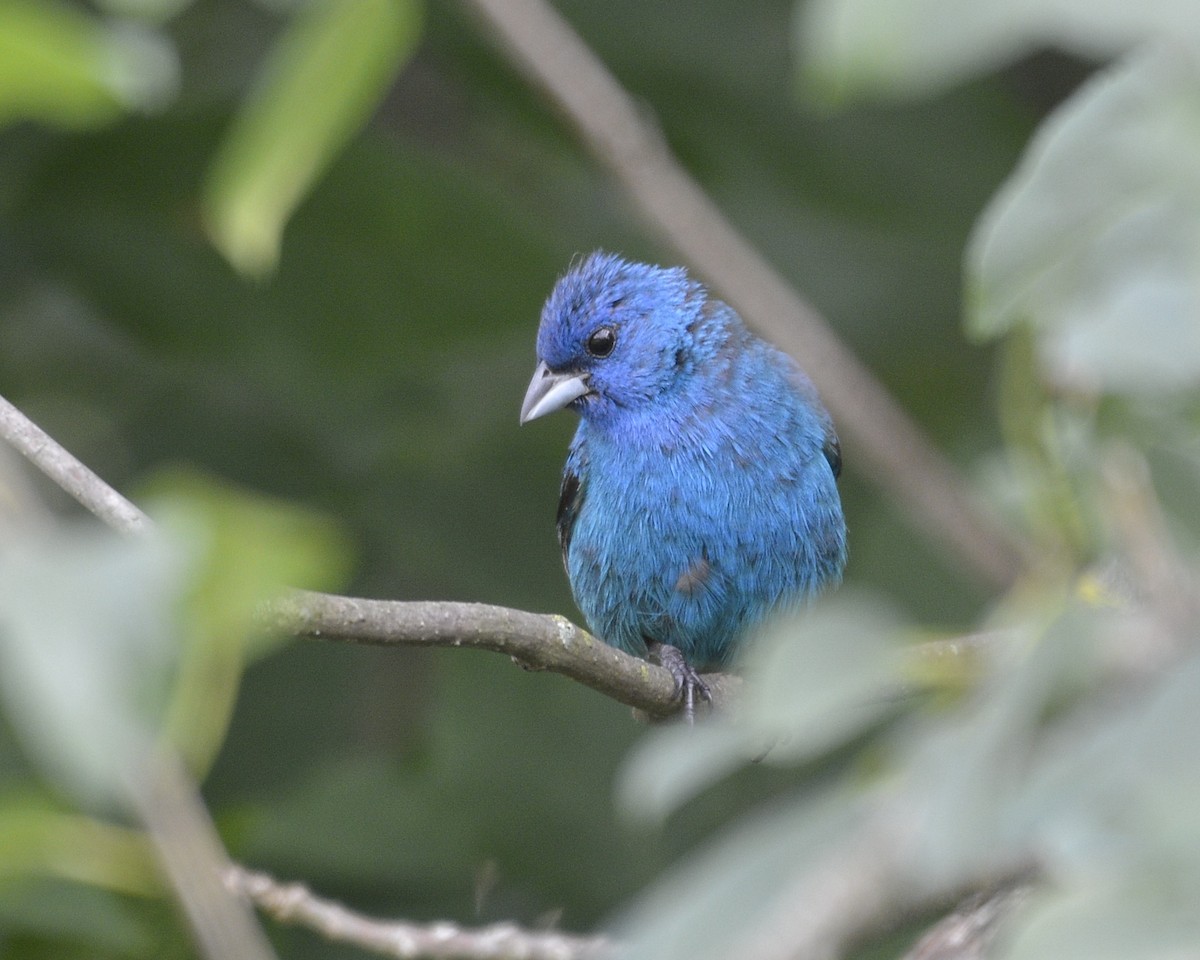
x=688, y=683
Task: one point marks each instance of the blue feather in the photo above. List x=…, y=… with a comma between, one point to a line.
x=699, y=496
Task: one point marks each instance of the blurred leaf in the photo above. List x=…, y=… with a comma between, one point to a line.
x=813, y=681
x=37, y=838
x=911, y=48
x=1106, y=918
x=60, y=66
x=1095, y=238
x=964, y=768
x=107, y=637
x=678, y=762
x=1038, y=434
x=250, y=548
x=88, y=640
x=824, y=676
x=1046, y=758
x=253, y=548
x=320, y=85
x=1122, y=788
x=153, y=10
x=58, y=920
x=714, y=902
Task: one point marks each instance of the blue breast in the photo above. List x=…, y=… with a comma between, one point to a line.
x=695, y=520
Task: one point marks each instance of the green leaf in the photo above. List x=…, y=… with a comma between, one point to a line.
x=1094, y=240
x=157, y=11
x=816, y=680
x=38, y=838
x=60, y=920
x=88, y=641
x=60, y=66
x=854, y=48
x=964, y=770
x=249, y=549
x=105, y=638
x=1123, y=788
x=1109, y=918
x=322, y=82
x=813, y=681
x=715, y=902
x=677, y=763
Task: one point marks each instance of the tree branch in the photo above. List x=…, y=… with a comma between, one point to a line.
x=296, y=904
x=64, y=469
x=535, y=641
x=894, y=451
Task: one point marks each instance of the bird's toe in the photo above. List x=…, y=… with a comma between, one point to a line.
x=689, y=685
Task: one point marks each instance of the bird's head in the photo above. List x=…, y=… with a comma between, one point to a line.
x=613, y=335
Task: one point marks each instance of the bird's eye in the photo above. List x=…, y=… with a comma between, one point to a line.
x=601, y=342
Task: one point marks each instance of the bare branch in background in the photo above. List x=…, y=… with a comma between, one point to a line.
x=893, y=450
x=295, y=904
x=64, y=469
x=966, y=934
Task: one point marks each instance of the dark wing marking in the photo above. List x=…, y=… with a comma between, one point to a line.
x=833, y=453
x=569, y=500
x=804, y=387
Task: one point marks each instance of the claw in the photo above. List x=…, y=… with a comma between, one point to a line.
x=688, y=683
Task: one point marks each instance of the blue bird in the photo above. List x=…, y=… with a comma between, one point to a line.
x=699, y=495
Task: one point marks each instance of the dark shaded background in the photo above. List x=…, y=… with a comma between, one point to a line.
x=377, y=377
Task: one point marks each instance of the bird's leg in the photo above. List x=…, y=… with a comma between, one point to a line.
x=687, y=681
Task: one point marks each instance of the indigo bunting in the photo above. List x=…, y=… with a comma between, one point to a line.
x=699, y=495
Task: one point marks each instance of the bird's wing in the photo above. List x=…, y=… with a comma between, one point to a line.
x=832, y=447
x=833, y=452
x=570, y=498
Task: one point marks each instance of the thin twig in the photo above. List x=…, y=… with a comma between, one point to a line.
x=535, y=641
x=296, y=904
x=894, y=451
x=64, y=469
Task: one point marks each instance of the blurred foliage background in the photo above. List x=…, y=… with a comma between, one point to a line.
x=302, y=247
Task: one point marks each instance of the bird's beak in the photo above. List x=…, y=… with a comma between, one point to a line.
x=549, y=391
